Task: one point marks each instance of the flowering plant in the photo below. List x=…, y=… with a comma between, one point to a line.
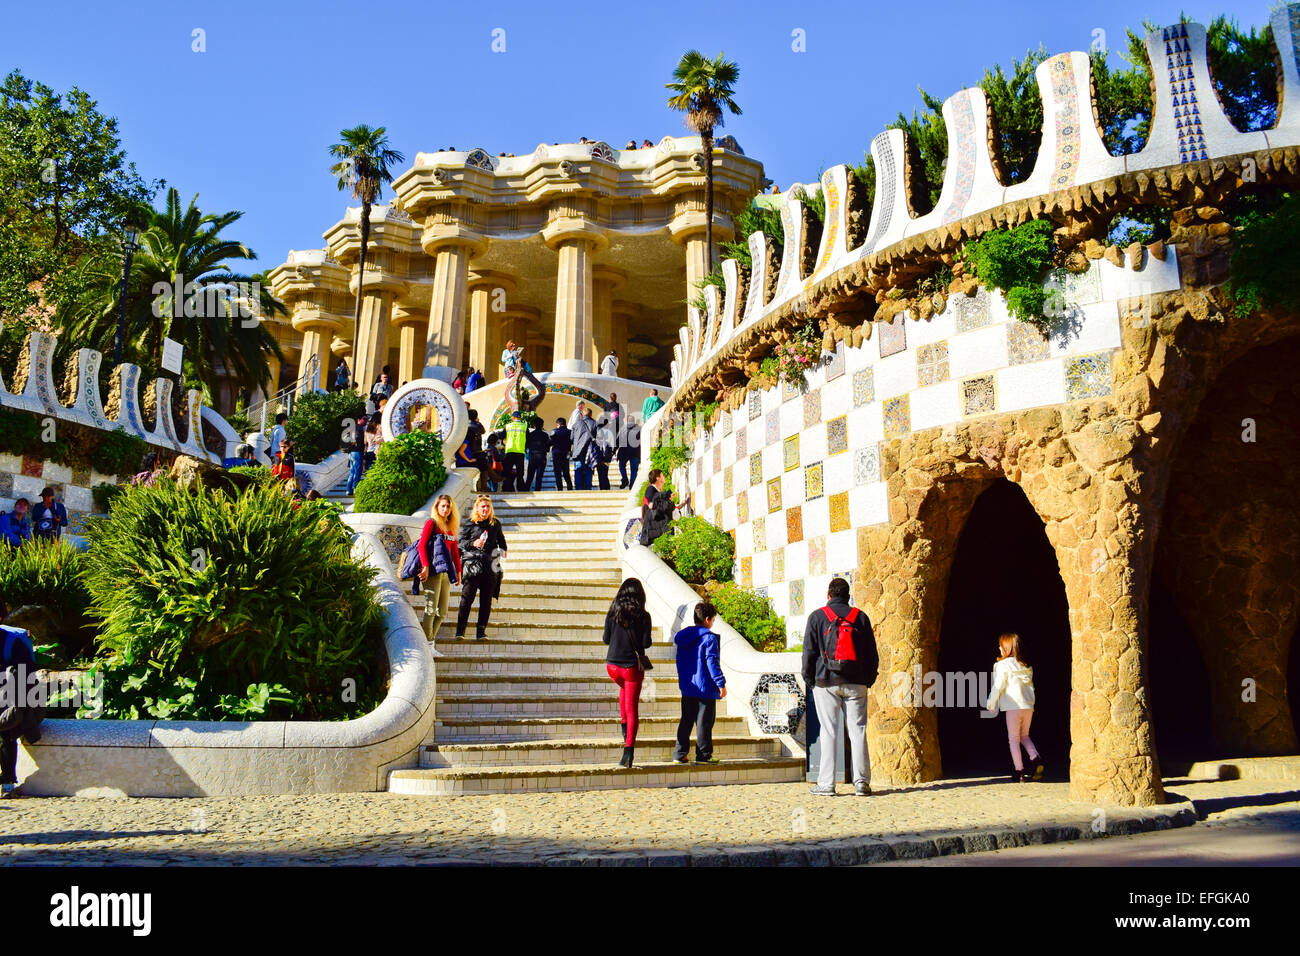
x=799, y=355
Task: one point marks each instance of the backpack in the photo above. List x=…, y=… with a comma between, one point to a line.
x=411, y=566
x=839, y=629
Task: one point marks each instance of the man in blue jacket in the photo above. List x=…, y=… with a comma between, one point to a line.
x=700, y=677
x=17, y=719
x=14, y=526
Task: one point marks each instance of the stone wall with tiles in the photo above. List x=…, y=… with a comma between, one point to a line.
x=795, y=472
x=25, y=476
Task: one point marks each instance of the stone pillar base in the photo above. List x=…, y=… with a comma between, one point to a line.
x=572, y=366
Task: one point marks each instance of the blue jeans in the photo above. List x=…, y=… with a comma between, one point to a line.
x=582, y=476
x=354, y=472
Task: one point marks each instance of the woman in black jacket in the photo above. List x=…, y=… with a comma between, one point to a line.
x=656, y=508
x=627, y=632
x=482, y=549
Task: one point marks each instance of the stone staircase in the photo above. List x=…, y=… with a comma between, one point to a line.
x=531, y=708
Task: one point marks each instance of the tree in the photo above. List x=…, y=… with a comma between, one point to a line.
x=181, y=288
x=1017, y=107
x=1244, y=73
x=364, y=158
x=65, y=190
x=701, y=89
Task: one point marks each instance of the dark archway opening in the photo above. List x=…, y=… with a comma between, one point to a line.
x=1179, y=683
x=1004, y=577
x=1293, y=680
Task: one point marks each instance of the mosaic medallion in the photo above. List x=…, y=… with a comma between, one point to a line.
x=778, y=565
x=717, y=457
x=864, y=387
x=760, y=534
x=972, y=311
x=866, y=464
x=817, y=555
x=726, y=424
x=790, y=388
x=932, y=363
x=742, y=507
x=893, y=336
x=756, y=468
x=796, y=598
x=394, y=540
x=794, y=524
x=631, y=532
x=812, y=407
x=978, y=396
x=1025, y=343
x=898, y=417
x=837, y=435
x=812, y=482
x=790, y=453
x=774, y=495
x=755, y=405
x=717, y=515
x=778, y=703
x=839, y=507
x=728, y=482
x=747, y=572
x=1087, y=376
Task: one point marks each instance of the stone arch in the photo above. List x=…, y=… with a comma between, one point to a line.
x=1229, y=550
x=1003, y=577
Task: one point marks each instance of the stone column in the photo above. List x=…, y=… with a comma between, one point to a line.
x=604, y=280
x=688, y=230
x=452, y=247
x=625, y=317
x=488, y=305
x=371, y=347
x=316, y=337
x=576, y=241
x=410, y=327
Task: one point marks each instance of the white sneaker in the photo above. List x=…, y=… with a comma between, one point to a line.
x=820, y=792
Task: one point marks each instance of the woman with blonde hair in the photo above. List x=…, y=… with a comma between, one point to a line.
x=1013, y=692
x=439, y=557
x=482, y=548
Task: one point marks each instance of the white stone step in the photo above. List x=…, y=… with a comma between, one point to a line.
x=592, y=667
x=604, y=750
x=523, y=616
x=498, y=649
x=484, y=706
x=536, y=632
x=526, y=686
x=454, y=781
x=497, y=728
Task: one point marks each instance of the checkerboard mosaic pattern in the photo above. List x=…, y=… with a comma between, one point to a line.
x=795, y=472
x=25, y=476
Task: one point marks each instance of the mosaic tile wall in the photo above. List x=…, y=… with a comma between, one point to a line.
x=25, y=476
x=795, y=472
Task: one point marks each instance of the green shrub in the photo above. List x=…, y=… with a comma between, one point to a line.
x=407, y=471
x=1015, y=261
x=259, y=472
x=119, y=453
x=1265, y=256
x=50, y=575
x=314, y=425
x=749, y=614
x=20, y=432
x=238, y=420
x=696, y=550
x=103, y=494
x=219, y=607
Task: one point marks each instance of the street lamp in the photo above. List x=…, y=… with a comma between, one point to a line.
x=130, y=242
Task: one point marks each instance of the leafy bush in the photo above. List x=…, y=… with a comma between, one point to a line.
x=666, y=457
x=314, y=425
x=221, y=607
x=407, y=471
x=696, y=550
x=103, y=494
x=111, y=452
x=1265, y=257
x=749, y=614
x=49, y=575
x=119, y=453
x=260, y=473
x=1014, y=260
x=238, y=420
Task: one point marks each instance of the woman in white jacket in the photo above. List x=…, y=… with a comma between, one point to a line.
x=1013, y=692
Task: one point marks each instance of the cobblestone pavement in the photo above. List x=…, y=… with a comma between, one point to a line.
x=667, y=825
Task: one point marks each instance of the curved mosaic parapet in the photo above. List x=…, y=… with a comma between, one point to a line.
x=40, y=396
x=440, y=406
x=1189, y=126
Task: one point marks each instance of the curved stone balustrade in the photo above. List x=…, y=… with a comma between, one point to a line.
x=39, y=395
x=1189, y=127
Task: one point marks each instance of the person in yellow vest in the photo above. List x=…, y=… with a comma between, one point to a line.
x=516, y=447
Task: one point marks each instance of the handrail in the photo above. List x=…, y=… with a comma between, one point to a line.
x=305, y=382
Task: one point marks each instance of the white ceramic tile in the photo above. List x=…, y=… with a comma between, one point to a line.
x=1031, y=385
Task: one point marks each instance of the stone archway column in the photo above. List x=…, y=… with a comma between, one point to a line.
x=605, y=281
x=452, y=246
x=575, y=241
x=488, y=306
x=626, y=316
x=371, y=347
x=315, y=342
x=411, y=335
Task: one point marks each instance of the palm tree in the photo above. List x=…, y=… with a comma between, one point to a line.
x=363, y=160
x=701, y=88
x=181, y=288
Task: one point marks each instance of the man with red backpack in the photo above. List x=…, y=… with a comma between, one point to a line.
x=839, y=663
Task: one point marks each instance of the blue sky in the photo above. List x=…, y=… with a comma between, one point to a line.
x=247, y=123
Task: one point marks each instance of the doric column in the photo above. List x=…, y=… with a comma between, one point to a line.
x=317, y=330
x=488, y=294
x=624, y=317
x=410, y=328
x=604, y=280
x=576, y=240
x=371, y=347
x=451, y=245
x=688, y=230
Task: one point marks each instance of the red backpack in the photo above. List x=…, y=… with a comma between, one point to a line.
x=840, y=630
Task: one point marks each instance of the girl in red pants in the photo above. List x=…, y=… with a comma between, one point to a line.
x=627, y=632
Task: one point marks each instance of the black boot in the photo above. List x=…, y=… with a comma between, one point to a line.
x=622, y=732
x=1038, y=769
x=626, y=760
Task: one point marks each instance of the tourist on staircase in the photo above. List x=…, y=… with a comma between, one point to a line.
x=561, y=447
x=604, y=453
x=482, y=549
x=651, y=405
x=585, y=451
x=628, y=633
x=440, y=565
x=538, y=444
x=629, y=455
x=656, y=508
x=516, y=449
x=699, y=676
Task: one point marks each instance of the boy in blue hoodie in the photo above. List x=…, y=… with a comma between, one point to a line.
x=700, y=677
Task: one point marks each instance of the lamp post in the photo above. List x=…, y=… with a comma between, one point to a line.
x=130, y=242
